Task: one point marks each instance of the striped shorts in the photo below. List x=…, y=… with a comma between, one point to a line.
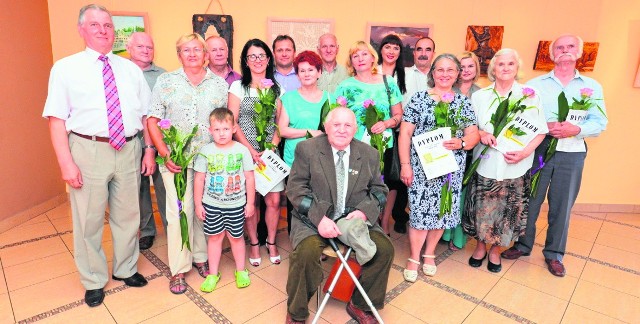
x=218, y=220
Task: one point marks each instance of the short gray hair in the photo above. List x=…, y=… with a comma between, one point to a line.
x=491, y=74
x=90, y=6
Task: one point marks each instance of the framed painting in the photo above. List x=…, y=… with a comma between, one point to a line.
x=305, y=32
x=484, y=41
x=586, y=63
x=215, y=25
x=409, y=34
x=125, y=23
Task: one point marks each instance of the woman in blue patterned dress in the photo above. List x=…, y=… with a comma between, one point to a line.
x=424, y=195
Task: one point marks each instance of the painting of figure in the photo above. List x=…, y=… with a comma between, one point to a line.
x=484, y=41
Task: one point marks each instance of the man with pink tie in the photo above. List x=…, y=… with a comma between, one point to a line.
x=96, y=105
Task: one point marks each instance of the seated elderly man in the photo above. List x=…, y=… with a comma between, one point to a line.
x=334, y=175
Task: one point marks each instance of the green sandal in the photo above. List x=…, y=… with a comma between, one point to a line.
x=242, y=278
x=210, y=283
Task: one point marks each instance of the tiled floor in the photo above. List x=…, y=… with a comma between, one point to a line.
x=39, y=282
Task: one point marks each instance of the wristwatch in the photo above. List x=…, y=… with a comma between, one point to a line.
x=462, y=143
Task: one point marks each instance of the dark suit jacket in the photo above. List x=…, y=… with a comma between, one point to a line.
x=314, y=173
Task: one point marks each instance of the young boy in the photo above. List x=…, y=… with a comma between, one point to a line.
x=224, y=194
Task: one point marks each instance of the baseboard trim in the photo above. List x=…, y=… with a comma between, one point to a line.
x=600, y=208
x=25, y=216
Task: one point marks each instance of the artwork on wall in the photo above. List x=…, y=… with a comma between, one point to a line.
x=305, y=32
x=586, y=63
x=215, y=25
x=125, y=23
x=484, y=41
x=409, y=34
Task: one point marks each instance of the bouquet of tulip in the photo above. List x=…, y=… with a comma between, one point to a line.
x=371, y=117
x=584, y=103
x=178, y=143
x=446, y=118
x=265, y=110
x=505, y=113
x=326, y=108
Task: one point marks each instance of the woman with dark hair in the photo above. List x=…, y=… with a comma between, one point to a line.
x=426, y=223
x=256, y=63
x=390, y=63
x=299, y=112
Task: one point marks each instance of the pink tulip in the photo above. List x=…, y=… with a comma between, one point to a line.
x=586, y=92
x=342, y=101
x=447, y=97
x=266, y=83
x=528, y=92
x=164, y=123
x=368, y=103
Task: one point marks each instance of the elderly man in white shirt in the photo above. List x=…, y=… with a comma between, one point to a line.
x=96, y=106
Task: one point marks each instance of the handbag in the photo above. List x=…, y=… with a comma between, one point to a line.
x=392, y=164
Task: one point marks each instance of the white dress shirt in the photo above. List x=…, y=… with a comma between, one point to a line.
x=76, y=93
x=415, y=81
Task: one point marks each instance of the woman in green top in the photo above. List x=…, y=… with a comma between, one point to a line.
x=366, y=83
x=299, y=111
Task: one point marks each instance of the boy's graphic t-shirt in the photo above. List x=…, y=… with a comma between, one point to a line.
x=224, y=167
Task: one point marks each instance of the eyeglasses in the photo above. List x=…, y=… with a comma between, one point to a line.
x=447, y=71
x=253, y=57
x=196, y=50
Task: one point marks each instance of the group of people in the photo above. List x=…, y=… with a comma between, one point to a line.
x=104, y=113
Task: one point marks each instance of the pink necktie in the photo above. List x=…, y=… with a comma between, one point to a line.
x=114, y=115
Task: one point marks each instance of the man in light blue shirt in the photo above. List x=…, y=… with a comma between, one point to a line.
x=560, y=178
x=284, y=51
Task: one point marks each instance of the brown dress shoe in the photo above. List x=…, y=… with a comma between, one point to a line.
x=361, y=316
x=290, y=320
x=555, y=267
x=512, y=253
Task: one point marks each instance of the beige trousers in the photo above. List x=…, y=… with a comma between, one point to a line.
x=110, y=177
x=180, y=258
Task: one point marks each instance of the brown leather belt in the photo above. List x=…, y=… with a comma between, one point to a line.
x=99, y=138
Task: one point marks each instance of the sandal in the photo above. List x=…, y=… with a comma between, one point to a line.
x=429, y=269
x=177, y=284
x=210, y=283
x=411, y=275
x=258, y=261
x=453, y=247
x=276, y=259
x=203, y=268
x=242, y=278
